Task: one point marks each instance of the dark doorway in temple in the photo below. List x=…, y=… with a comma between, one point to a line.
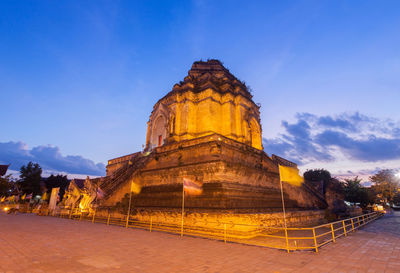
x=159, y=140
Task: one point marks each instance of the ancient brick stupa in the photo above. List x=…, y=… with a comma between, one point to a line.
x=206, y=129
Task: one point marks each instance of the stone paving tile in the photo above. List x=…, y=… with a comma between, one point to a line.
x=30, y=243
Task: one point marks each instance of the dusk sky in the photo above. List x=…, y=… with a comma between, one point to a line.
x=78, y=79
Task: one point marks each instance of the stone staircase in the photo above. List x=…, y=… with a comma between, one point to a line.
x=316, y=193
x=111, y=183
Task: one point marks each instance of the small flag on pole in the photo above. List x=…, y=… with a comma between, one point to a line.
x=192, y=187
x=290, y=175
x=135, y=187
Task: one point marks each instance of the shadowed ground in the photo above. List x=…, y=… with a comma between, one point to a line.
x=30, y=243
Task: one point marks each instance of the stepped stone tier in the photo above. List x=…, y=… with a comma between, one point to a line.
x=207, y=129
x=209, y=100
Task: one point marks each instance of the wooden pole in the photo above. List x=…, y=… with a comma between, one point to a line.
x=183, y=206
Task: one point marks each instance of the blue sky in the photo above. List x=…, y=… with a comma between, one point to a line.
x=78, y=79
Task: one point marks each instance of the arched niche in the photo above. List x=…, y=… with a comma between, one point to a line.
x=158, y=131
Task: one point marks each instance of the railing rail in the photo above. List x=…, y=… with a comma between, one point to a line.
x=289, y=239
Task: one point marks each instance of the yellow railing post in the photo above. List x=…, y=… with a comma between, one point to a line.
x=225, y=233
x=108, y=218
x=352, y=224
x=315, y=241
x=151, y=222
x=333, y=233
x=127, y=221
x=358, y=220
x=287, y=241
x=94, y=215
x=344, y=228
x=363, y=219
x=80, y=217
x=182, y=223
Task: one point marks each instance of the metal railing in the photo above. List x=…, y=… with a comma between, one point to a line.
x=289, y=239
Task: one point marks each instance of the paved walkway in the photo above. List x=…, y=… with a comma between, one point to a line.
x=30, y=243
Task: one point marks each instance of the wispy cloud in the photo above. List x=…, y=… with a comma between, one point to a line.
x=49, y=158
x=350, y=137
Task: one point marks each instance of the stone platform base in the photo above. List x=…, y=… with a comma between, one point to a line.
x=239, y=224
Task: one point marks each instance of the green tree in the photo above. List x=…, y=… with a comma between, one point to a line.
x=30, y=176
x=57, y=181
x=7, y=185
x=317, y=175
x=386, y=185
x=371, y=195
x=354, y=192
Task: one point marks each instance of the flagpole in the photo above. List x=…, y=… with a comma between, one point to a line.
x=284, y=211
x=183, y=206
x=129, y=206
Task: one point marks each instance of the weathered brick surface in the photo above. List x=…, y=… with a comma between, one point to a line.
x=30, y=243
x=207, y=129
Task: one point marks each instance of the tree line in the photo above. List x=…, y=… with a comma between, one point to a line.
x=385, y=187
x=31, y=183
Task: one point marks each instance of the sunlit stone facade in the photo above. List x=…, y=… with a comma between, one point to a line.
x=210, y=100
x=207, y=128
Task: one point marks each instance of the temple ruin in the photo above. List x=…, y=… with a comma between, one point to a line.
x=208, y=129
